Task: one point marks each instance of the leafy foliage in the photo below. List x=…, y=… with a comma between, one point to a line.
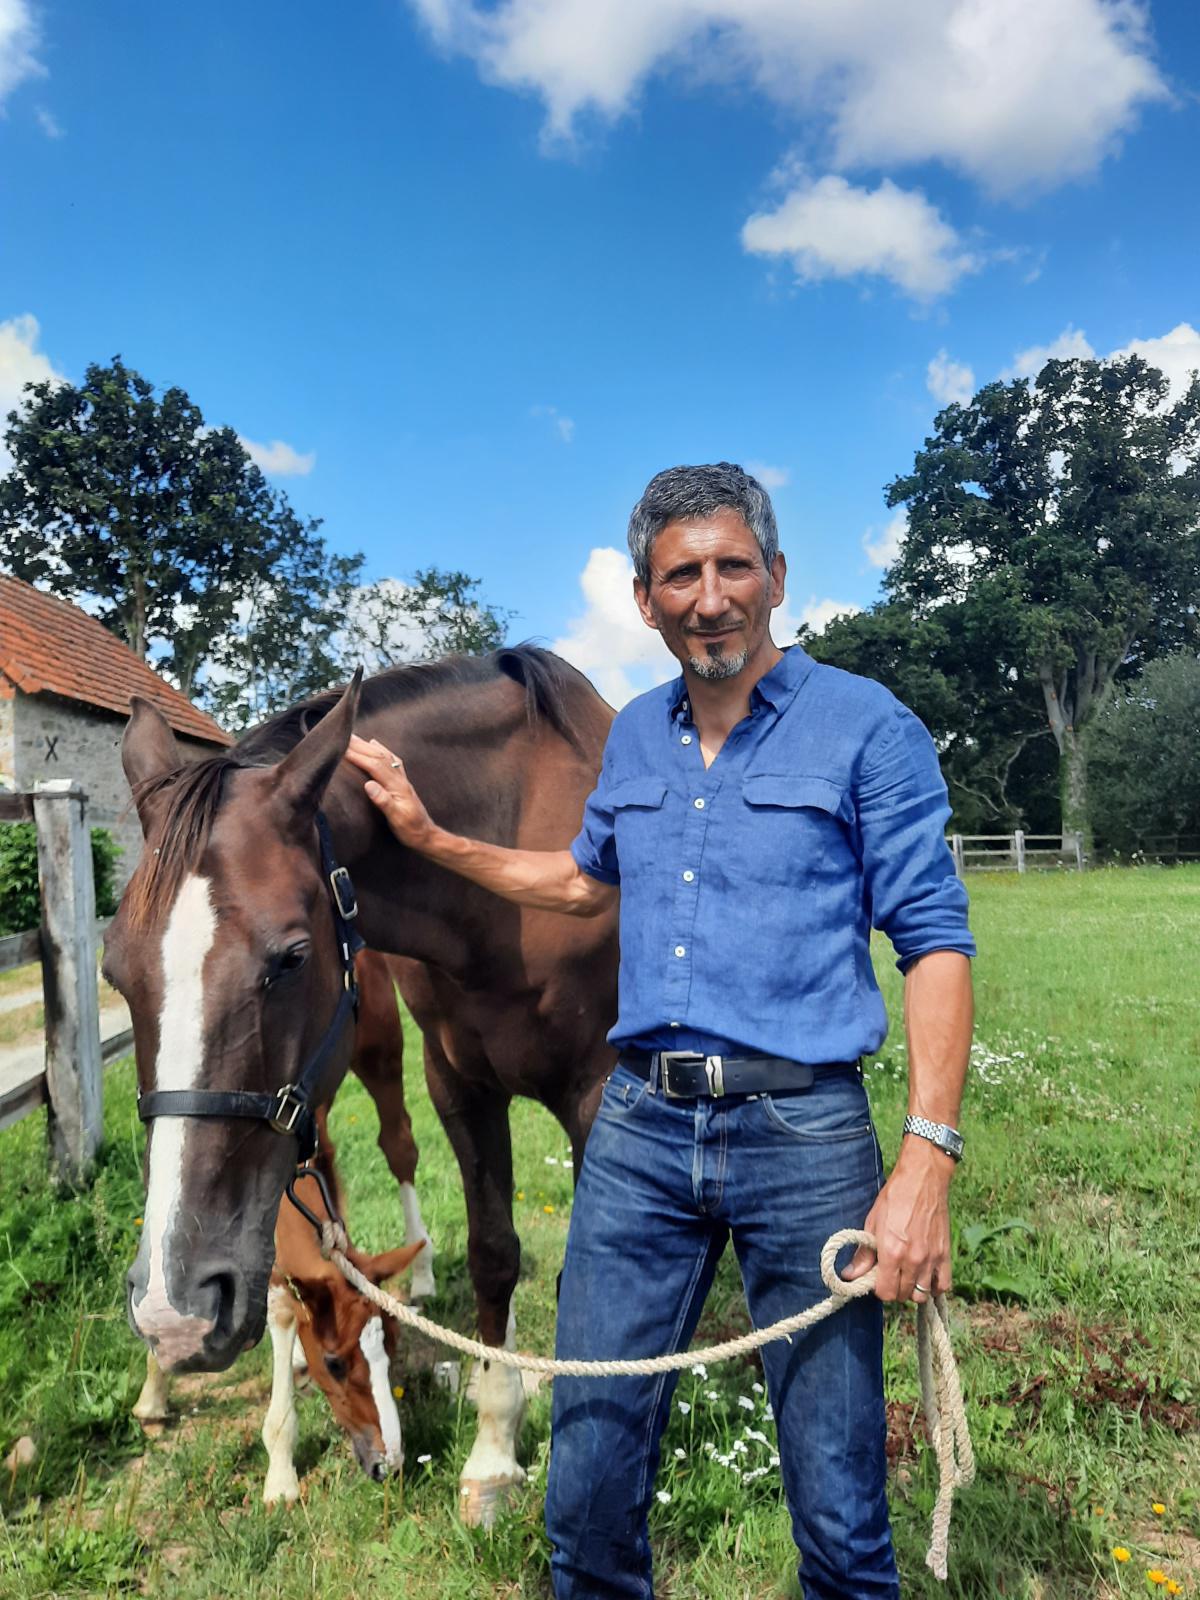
x=20, y=903
x=439, y=613
x=164, y=525
x=1144, y=757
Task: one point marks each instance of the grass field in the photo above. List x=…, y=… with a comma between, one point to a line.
x=1077, y=1246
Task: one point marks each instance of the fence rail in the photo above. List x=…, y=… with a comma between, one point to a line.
x=1015, y=852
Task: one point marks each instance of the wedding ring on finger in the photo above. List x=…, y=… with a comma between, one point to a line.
x=919, y=1288
x=396, y=763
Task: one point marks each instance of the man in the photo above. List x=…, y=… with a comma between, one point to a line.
x=757, y=816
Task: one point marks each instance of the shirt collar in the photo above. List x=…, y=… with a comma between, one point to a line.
x=775, y=688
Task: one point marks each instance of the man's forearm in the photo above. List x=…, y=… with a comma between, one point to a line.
x=938, y=1018
x=544, y=880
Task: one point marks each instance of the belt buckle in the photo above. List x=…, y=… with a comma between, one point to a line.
x=714, y=1072
x=666, y=1059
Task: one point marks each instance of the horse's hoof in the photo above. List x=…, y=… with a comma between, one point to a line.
x=480, y=1499
x=281, y=1494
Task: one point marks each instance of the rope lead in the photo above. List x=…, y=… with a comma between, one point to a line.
x=941, y=1392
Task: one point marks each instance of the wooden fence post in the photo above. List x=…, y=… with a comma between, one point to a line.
x=956, y=846
x=73, y=1066
x=1019, y=848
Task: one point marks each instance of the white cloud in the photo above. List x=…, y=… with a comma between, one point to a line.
x=1011, y=92
x=609, y=641
x=563, y=426
x=949, y=382
x=49, y=123
x=1175, y=354
x=818, y=614
x=832, y=229
x=770, y=477
x=1071, y=343
x=882, y=544
x=21, y=362
x=18, y=40
x=279, y=459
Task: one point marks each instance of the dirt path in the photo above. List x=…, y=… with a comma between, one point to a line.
x=19, y=1063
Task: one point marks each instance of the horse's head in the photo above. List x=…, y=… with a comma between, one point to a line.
x=224, y=947
x=348, y=1346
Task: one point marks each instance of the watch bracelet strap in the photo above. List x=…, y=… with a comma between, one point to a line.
x=935, y=1132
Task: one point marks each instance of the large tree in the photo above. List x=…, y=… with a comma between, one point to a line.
x=1144, y=757
x=438, y=613
x=953, y=667
x=1065, y=511
x=123, y=499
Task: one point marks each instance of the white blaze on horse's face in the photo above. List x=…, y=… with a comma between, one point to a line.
x=190, y=932
x=371, y=1342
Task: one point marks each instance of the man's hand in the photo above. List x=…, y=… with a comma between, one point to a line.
x=388, y=787
x=911, y=1224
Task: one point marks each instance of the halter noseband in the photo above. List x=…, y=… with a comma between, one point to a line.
x=292, y=1108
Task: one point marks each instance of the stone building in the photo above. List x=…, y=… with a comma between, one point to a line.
x=65, y=688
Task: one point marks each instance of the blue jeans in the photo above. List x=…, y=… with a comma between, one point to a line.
x=664, y=1184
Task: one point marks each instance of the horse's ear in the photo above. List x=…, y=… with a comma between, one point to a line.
x=148, y=747
x=388, y=1263
x=301, y=777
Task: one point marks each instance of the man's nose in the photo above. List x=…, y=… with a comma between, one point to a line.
x=712, y=600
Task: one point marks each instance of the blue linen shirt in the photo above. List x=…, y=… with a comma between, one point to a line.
x=749, y=889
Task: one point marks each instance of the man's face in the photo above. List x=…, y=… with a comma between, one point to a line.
x=710, y=594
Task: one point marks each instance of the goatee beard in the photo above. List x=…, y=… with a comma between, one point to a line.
x=715, y=666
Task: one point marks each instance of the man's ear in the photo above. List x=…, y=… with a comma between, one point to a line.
x=778, y=579
x=641, y=595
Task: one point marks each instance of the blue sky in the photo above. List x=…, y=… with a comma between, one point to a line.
x=482, y=270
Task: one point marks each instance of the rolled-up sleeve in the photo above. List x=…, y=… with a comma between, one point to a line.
x=913, y=893
x=595, y=846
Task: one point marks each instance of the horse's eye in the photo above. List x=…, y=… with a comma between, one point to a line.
x=336, y=1367
x=285, y=963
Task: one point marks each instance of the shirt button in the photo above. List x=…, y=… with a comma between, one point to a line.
x=699, y=804
x=688, y=876
x=674, y=1024
x=687, y=739
x=680, y=950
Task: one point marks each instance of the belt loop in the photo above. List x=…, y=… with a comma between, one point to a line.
x=655, y=1071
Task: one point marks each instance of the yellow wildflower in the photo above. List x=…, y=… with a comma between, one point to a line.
x=549, y=1210
x=1173, y=1587
x=520, y=1194
x=1158, y=1508
x=137, y=1221
x=1120, y=1553
x=1099, y=1511
x=1156, y=1575
x=398, y=1391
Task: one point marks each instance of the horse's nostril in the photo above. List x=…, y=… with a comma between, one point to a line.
x=379, y=1471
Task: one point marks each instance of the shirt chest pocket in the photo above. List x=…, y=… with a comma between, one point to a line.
x=792, y=828
x=637, y=807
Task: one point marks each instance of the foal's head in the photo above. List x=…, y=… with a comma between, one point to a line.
x=224, y=948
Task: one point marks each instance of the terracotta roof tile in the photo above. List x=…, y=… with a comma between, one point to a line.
x=48, y=645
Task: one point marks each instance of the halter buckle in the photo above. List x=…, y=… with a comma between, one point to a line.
x=288, y=1109
x=344, y=898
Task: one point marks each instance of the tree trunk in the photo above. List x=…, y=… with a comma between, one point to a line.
x=1073, y=788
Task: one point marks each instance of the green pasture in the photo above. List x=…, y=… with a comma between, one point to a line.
x=1077, y=1260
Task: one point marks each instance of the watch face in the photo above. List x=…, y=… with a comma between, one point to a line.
x=952, y=1141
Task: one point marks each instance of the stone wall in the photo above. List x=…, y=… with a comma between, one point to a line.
x=56, y=738
x=8, y=755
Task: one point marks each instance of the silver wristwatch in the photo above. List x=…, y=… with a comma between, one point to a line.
x=947, y=1139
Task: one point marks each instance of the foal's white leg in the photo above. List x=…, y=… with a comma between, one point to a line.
x=422, y=1286
x=280, y=1428
x=492, y=1467
x=151, y=1404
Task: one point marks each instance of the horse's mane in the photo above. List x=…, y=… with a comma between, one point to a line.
x=190, y=796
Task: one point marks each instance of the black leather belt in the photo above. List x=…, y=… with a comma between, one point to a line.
x=685, y=1074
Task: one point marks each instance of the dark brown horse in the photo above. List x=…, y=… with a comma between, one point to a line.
x=226, y=950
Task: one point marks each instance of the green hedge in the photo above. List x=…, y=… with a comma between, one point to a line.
x=20, y=907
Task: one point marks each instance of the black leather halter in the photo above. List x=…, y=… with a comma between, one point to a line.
x=292, y=1108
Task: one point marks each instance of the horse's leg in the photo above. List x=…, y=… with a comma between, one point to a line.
x=151, y=1405
x=476, y=1123
x=380, y=1066
x=280, y=1427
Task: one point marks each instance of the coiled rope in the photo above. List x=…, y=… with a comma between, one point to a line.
x=941, y=1392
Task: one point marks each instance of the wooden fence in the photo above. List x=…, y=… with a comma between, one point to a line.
x=70, y=1084
x=1015, y=852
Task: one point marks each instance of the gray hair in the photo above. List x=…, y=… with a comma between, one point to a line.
x=681, y=493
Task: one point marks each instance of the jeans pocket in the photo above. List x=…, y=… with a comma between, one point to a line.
x=623, y=1093
x=829, y=1111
